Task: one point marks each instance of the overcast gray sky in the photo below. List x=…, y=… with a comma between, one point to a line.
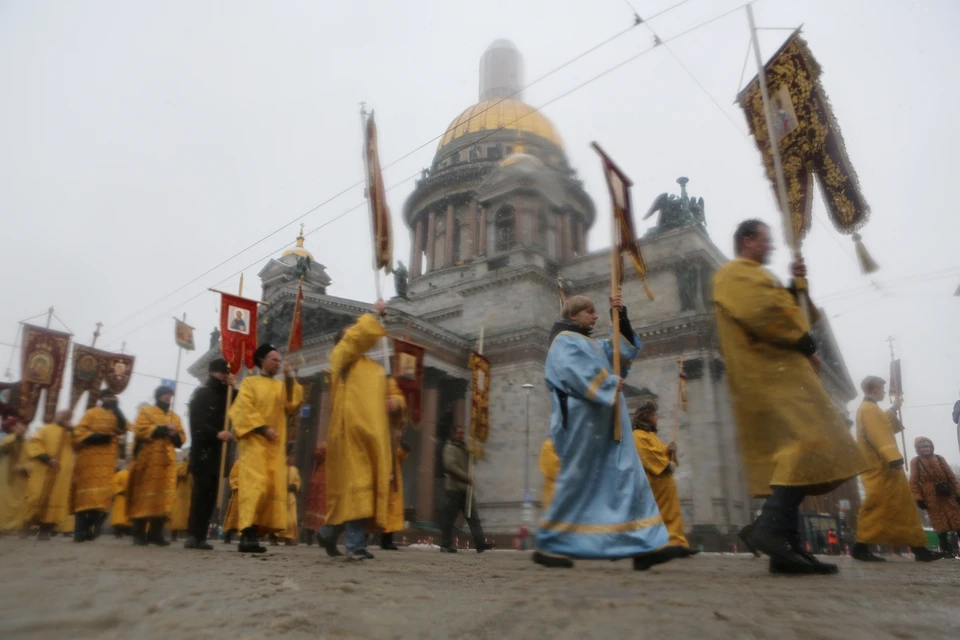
x=144, y=143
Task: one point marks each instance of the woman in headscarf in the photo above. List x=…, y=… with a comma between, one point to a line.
x=935, y=489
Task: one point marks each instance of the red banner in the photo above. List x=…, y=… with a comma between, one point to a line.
x=377, y=199
x=238, y=331
x=44, y=358
x=408, y=374
x=480, y=403
x=295, y=343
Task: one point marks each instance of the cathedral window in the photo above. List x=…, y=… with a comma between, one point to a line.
x=505, y=228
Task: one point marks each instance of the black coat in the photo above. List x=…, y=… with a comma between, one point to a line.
x=207, y=408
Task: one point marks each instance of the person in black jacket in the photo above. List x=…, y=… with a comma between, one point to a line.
x=207, y=408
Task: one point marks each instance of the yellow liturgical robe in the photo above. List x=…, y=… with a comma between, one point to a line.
x=232, y=518
x=395, y=517
x=656, y=464
x=789, y=431
x=49, y=489
x=293, y=480
x=181, y=505
x=13, y=482
x=94, y=465
x=262, y=485
x=153, y=477
x=118, y=515
x=359, y=459
x=888, y=514
x=550, y=468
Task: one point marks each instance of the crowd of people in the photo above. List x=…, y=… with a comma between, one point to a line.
x=606, y=495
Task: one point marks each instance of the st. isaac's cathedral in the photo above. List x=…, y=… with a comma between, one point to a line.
x=495, y=221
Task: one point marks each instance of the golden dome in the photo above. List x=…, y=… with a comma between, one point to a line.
x=497, y=113
x=299, y=250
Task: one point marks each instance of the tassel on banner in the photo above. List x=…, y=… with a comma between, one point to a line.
x=646, y=289
x=867, y=263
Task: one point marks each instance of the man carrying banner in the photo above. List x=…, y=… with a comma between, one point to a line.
x=207, y=408
x=793, y=441
x=359, y=456
x=95, y=440
x=259, y=416
x=888, y=514
x=153, y=479
x=48, y=491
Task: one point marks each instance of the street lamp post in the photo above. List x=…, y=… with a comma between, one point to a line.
x=527, y=503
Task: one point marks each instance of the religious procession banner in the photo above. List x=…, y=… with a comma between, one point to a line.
x=44, y=358
x=479, y=403
x=408, y=374
x=238, y=331
x=183, y=335
x=88, y=372
x=118, y=367
x=809, y=140
x=626, y=231
x=295, y=343
x=377, y=199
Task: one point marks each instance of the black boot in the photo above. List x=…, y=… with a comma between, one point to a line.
x=820, y=568
x=660, y=556
x=45, y=530
x=227, y=537
x=249, y=543
x=194, y=542
x=783, y=557
x=139, y=533
x=156, y=533
x=386, y=542
x=744, y=536
x=328, y=545
x=551, y=562
x=862, y=553
x=922, y=554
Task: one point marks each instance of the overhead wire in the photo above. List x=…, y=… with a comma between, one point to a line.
x=492, y=132
x=397, y=160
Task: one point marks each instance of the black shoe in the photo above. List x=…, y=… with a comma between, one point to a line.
x=666, y=554
x=250, y=545
x=863, y=554
x=330, y=546
x=922, y=554
x=390, y=547
x=779, y=566
x=44, y=534
x=783, y=556
x=194, y=543
x=361, y=554
x=744, y=536
x=139, y=541
x=820, y=568
x=486, y=547
x=448, y=550
x=552, y=562
x=687, y=552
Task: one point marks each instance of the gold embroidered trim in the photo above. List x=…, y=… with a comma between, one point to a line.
x=595, y=384
x=619, y=527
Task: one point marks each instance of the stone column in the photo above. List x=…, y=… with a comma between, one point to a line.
x=468, y=233
x=416, y=261
x=448, y=250
x=429, y=241
x=482, y=232
x=428, y=446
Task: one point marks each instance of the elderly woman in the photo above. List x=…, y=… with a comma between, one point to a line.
x=602, y=505
x=935, y=489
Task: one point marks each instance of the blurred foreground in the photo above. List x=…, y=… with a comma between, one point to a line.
x=111, y=589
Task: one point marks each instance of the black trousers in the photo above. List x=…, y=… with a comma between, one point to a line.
x=203, y=500
x=456, y=503
x=781, y=512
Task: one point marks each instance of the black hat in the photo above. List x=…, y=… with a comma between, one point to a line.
x=218, y=366
x=262, y=352
x=162, y=391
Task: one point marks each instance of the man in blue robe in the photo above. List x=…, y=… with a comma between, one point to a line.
x=602, y=506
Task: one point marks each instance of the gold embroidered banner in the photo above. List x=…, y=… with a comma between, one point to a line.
x=809, y=139
x=44, y=358
x=480, y=403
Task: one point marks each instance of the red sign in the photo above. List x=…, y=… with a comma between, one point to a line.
x=238, y=331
